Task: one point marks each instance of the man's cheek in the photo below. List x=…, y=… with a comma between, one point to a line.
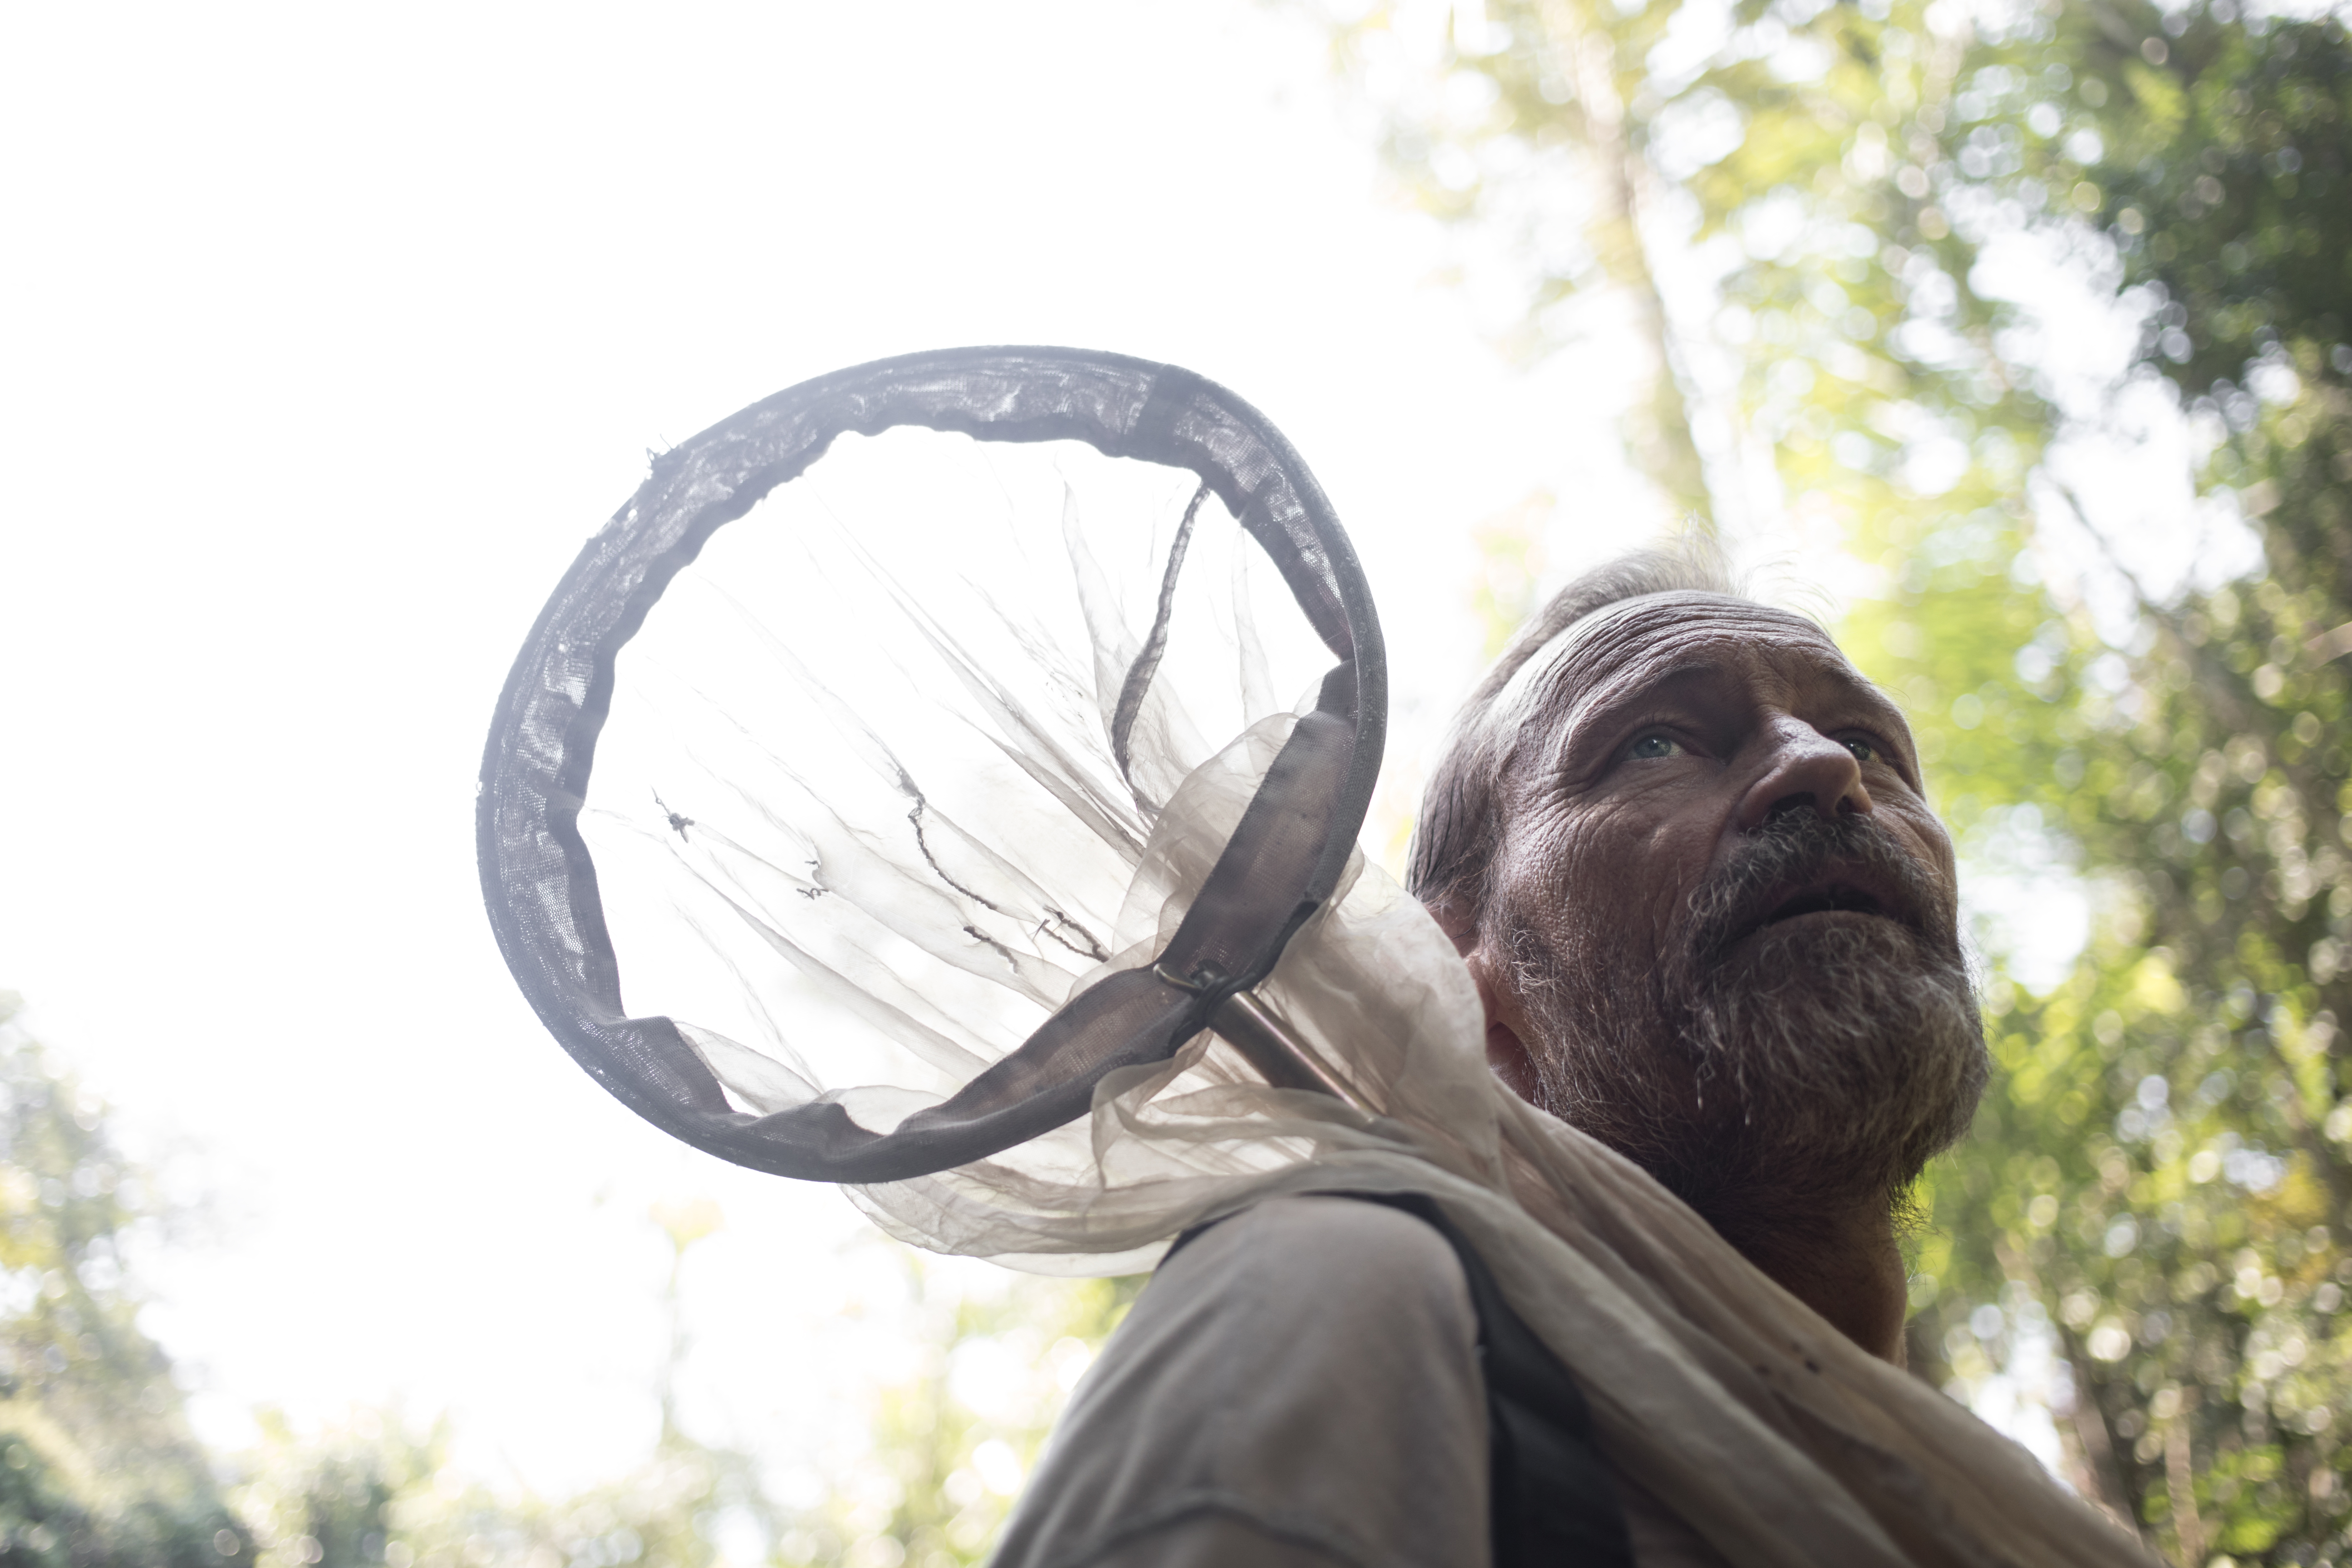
x=1937, y=842
x=1605, y=899
x=1925, y=840
x=1633, y=866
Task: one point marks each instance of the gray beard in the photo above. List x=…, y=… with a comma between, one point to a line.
x=1778, y=1081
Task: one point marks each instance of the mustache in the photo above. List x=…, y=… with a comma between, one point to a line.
x=1801, y=860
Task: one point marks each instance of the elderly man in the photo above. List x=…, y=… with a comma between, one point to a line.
x=1686, y=852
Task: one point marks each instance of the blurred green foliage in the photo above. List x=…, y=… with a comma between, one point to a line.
x=2155, y=1193
x=373, y=1492
x=929, y=1487
x=98, y=1469
x=376, y=1492
x=96, y=1466
x=942, y=1475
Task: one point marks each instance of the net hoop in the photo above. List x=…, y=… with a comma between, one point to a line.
x=1281, y=865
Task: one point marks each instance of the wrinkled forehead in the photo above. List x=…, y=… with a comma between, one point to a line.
x=1639, y=640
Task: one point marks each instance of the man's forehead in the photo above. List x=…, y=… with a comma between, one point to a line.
x=1642, y=639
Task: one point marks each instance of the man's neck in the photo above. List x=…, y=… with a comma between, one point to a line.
x=1848, y=1269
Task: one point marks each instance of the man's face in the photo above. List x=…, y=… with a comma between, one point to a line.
x=1722, y=917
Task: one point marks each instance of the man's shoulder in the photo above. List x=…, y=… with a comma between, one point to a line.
x=1305, y=1373
x=1334, y=1266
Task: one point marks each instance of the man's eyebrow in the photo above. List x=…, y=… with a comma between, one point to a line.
x=1860, y=685
x=1575, y=708
x=1588, y=707
x=1649, y=687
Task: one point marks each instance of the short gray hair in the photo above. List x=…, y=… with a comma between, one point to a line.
x=1454, y=841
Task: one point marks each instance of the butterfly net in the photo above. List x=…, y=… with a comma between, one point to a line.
x=899, y=791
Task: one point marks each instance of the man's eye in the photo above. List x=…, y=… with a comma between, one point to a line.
x=1649, y=747
x=1864, y=752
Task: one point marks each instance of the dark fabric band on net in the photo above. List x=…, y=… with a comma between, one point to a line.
x=1281, y=864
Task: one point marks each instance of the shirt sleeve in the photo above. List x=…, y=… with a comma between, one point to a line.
x=1300, y=1387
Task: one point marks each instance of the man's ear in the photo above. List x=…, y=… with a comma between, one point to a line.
x=1507, y=1052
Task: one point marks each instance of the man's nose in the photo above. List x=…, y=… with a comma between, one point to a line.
x=1805, y=771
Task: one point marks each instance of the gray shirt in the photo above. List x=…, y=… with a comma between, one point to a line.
x=1297, y=1388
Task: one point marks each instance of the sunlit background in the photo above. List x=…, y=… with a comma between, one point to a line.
x=327, y=337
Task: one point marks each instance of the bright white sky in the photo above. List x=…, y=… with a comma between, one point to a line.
x=329, y=335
